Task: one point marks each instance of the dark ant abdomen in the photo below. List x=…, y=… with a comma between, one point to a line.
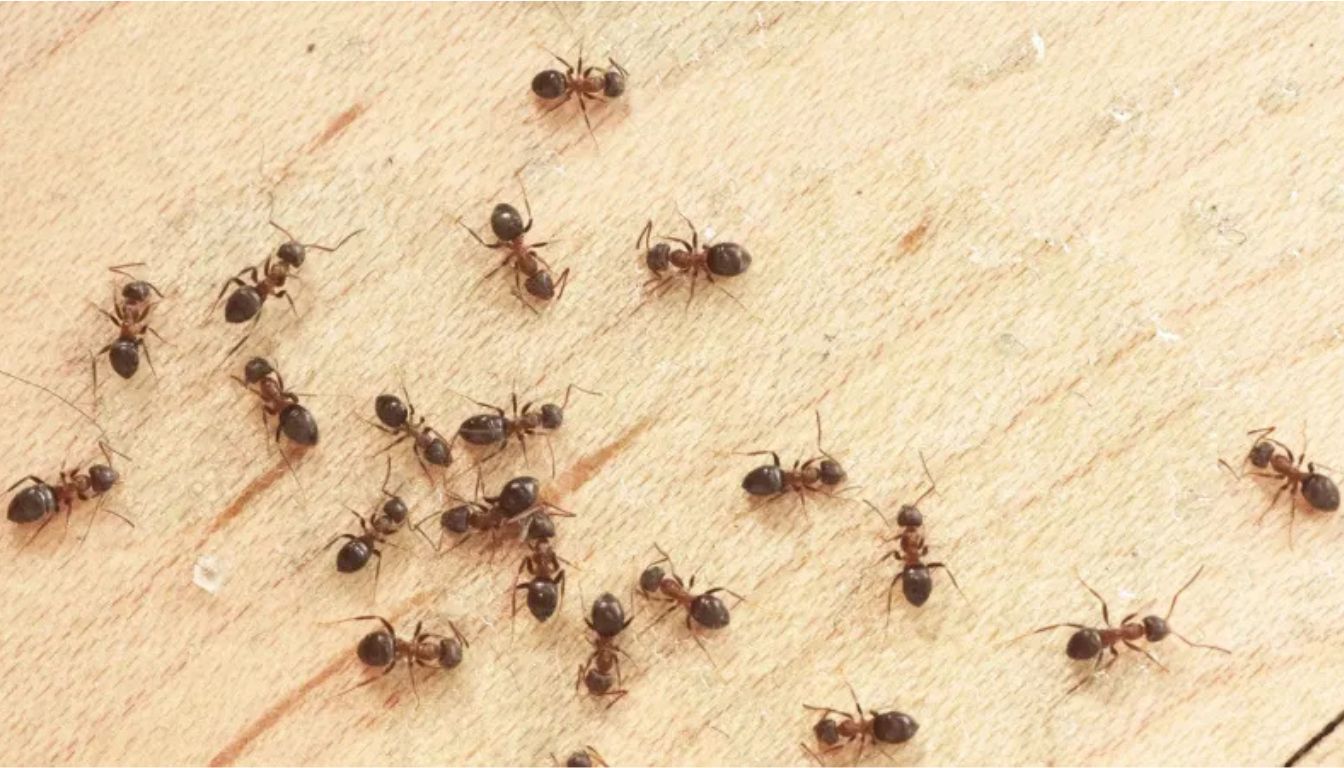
x=298, y=424
x=916, y=584
x=32, y=504
x=483, y=429
x=243, y=305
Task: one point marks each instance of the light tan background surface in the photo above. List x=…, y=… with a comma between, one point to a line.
x=1071, y=253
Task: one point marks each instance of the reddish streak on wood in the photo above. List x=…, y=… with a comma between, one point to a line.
x=912, y=240
x=255, y=488
x=338, y=124
x=584, y=469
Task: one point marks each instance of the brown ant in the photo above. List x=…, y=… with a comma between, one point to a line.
x=915, y=576
x=546, y=588
x=246, y=301
x=374, y=530
x=1318, y=490
x=1090, y=643
x=40, y=501
x=509, y=231
x=583, y=82
x=382, y=648
x=517, y=507
x=131, y=307
x=601, y=673
x=585, y=758
x=704, y=610
x=399, y=418
x=879, y=727
x=496, y=428
x=261, y=379
x=816, y=474
x=721, y=259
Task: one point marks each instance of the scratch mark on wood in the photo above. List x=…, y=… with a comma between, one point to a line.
x=338, y=125
x=584, y=469
x=912, y=241
x=255, y=488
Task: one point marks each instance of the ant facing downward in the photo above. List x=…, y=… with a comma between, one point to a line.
x=296, y=422
x=878, y=727
x=374, y=530
x=40, y=501
x=816, y=474
x=1092, y=642
x=1318, y=490
x=131, y=307
x=398, y=418
x=382, y=648
x=601, y=673
x=915, y=576
x=496, y=428
x=510, y=231
x=666, y=262
x=546, y=588
x=705, y=610
x=584, y=82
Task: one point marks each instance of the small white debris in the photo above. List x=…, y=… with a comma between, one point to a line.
x=1162, y=333
x=208, y=573
x=1038, y=43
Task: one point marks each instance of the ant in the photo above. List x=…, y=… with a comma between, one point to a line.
x=42, y=500
x=382, y=648
x=246, y=301
x=1090, y=643
x=879, y=727
x=130, y=313
x=261, y=379
x=1318, y=490
x=915, y=577
x=375, y=528
x=815, y=474
x=583, y=82
x=722, y=259
x=398, y=418
x=517, y=506
x=601, y=673
x=585, y=758
x=705, y=610
x=509, y=230
x=546, y=588
x=496, y=428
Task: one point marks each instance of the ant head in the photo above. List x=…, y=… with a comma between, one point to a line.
x=506, y=222
x=257, y=369
x=1320, y=491
x=608, y=617
x=1084, y=644
x=102, y=478
x=727, y=259
x=652, y=578
x=894, y=727
x=579, y=760
x=518, y=495
x=1155, y=628
x=549, y=84
x=910, y=517
x=709, y=612
x=613, y=83
x=457, y=519
x=136, y=291
x=377, y=649
x=438, y=453
x=541, y=527
x=391, y=411
x=450, y=652
x=831, y=472
x=291, y=253
x=1261, y=453
x=657, y=257
x=394, y=509
x=827, y=731
x=552, y=416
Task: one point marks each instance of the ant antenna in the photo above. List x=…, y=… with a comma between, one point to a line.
x=51, y=392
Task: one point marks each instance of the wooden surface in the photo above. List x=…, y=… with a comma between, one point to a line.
x=1070, y=253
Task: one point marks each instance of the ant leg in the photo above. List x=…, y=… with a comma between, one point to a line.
x=290, y=299
x=338, y=538
x=1105, y=611
x=583, y=107
x=1047, y=629
x=472, y=232
x=948, y=571
x=891, y=589
x=527, y=206
x=727, y=591
x=560, y=284
x=377, y=571
x=337, y=246
x=1274, y=502
x=148, y=357
x=1200, y=645
x=234, y=281
x=696, y=637
x=1145, y=652
x=394, y=443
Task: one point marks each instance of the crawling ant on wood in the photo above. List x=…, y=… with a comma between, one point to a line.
x=246, y=301
x=1092, y=642
x=601, y=673
x=517, y=506
x=131, y=307
x=879, y=727
x=816, y=474
x=546, y=588
x=40, y=500
x=705, y=610
x=398, y=417
x=915, y=576
x=666, y=263
x=584, y=82
x=496, y=428
x=374, y=530
x=584, y=758
x=296, y=422
x=1318, y=490
x=509, y=230
x=382, y=648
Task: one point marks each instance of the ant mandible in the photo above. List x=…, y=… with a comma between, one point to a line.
x=721, y=259
x=884, y=727
x=1318, y=490
x=131, y=307
x=296, y=422
x=1091, y=642
x=915, y=576
x=705, y=610
x=509, y=231
x=583, y=82
x=496, y=428
x=382, y=648
x=374, y=530
x=546, y=588
x=601, y=673
x=399, y=418
x=816, y=474
x=40, y=501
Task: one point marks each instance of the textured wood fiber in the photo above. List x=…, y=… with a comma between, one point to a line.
x=1071, y=253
